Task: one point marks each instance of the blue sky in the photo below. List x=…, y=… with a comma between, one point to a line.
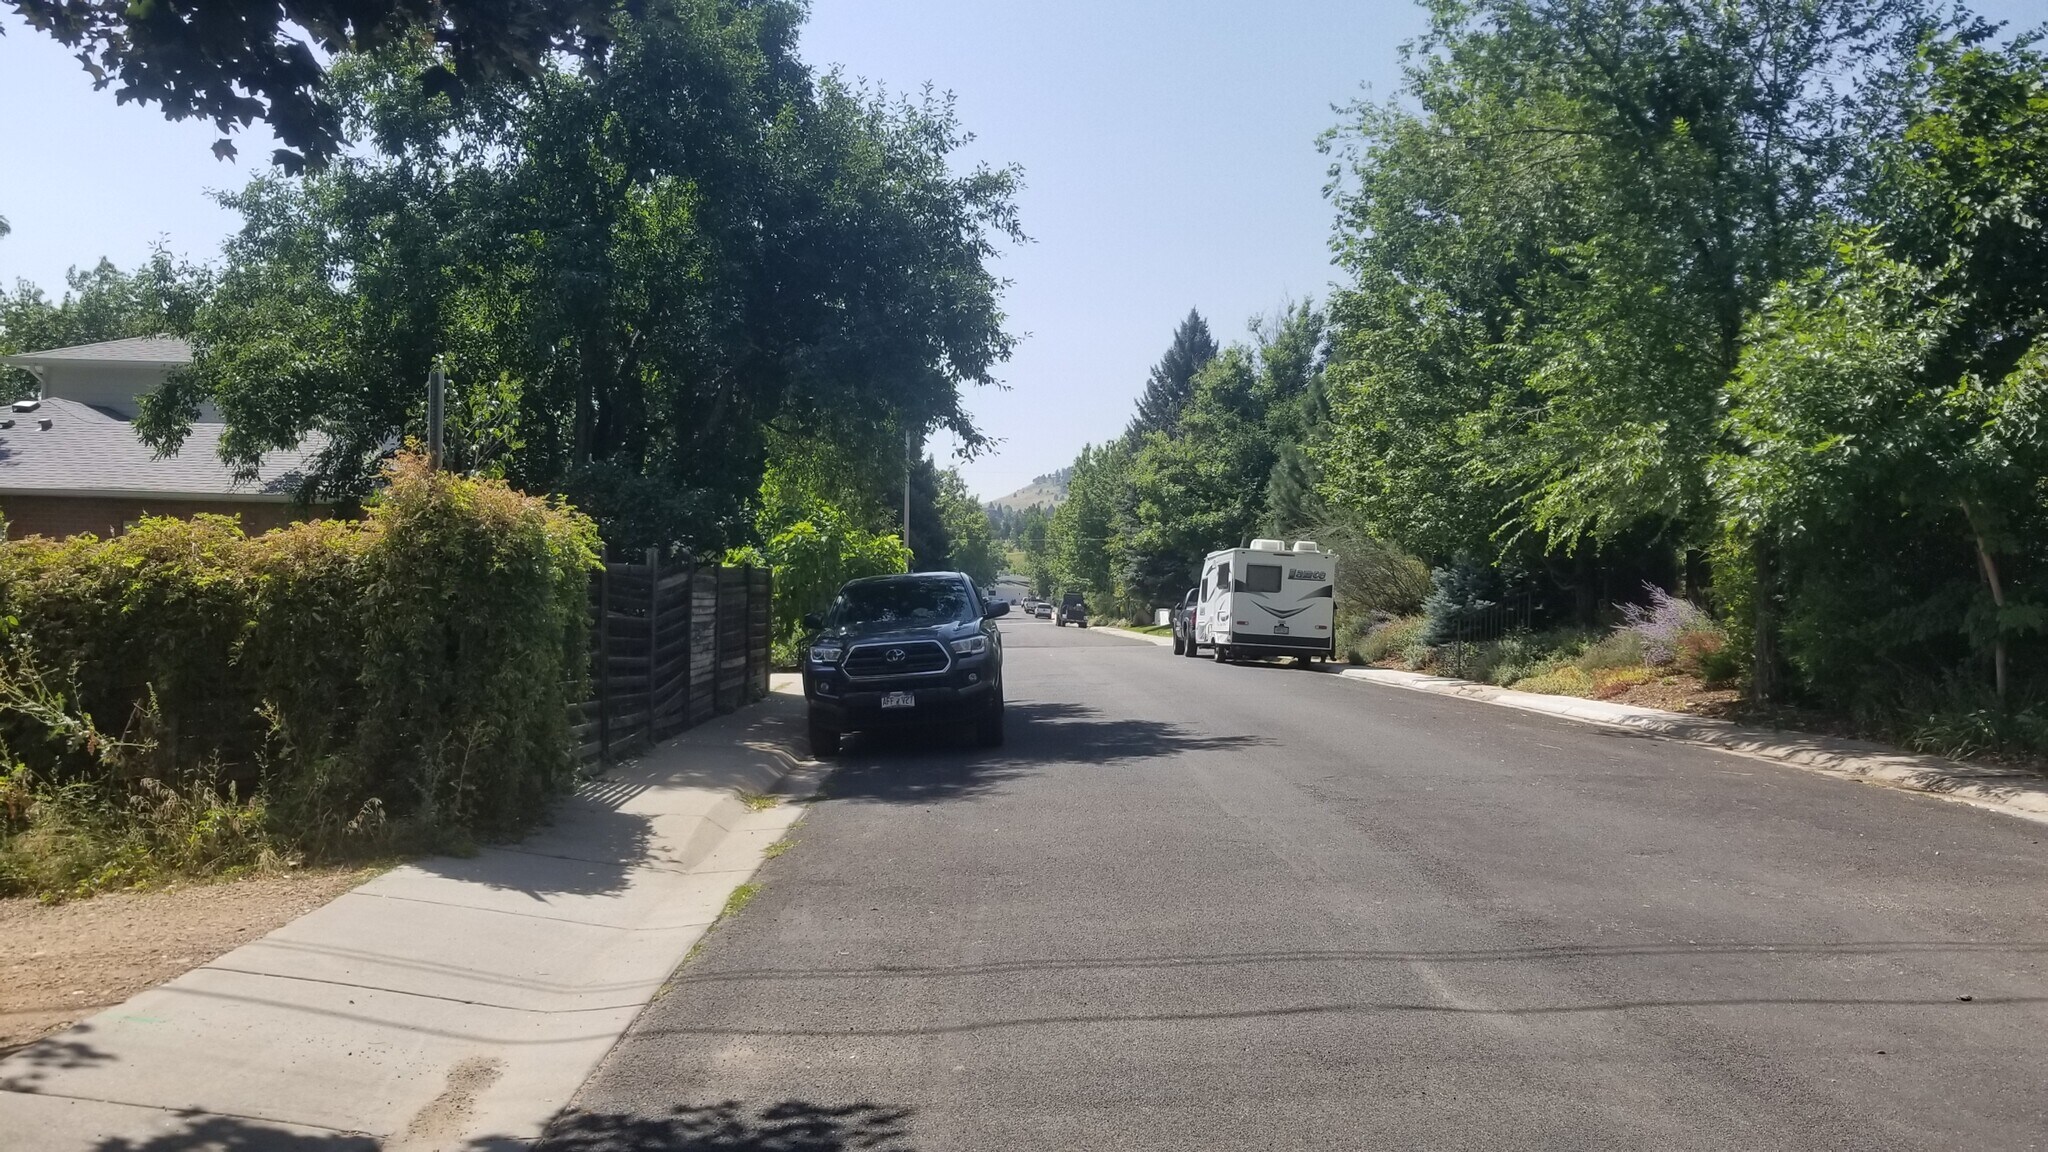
x=1168, y=151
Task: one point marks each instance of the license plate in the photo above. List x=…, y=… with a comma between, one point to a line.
x=1279, y=629
x=899, y=699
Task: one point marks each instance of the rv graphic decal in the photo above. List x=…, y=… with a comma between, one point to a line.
x=1305, y=574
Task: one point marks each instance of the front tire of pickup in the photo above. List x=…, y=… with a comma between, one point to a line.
x=824, y=740
x=988, y=731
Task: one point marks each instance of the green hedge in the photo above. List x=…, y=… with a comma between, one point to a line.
x=415, y=666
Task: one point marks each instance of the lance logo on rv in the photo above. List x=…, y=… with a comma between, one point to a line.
x=1305, y=574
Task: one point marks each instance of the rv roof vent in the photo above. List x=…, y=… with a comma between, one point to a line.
x=27, y=405
x=1268, y=546
x=1306, y=546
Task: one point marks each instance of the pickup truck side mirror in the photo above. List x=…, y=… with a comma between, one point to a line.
x=999, y=608
x=813, y=621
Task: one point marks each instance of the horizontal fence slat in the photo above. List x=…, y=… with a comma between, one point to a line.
x=672, y=645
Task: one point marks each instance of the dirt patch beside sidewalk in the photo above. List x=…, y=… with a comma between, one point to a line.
x=61, y=963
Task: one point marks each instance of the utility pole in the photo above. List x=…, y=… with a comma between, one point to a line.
x=906, y=487
x=437, y=414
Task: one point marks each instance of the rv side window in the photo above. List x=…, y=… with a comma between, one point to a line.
x=1262, y=577
x=1223, y=576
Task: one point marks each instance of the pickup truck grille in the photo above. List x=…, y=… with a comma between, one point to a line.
x=872, y=661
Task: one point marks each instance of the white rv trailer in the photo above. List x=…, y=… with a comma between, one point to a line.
x=1268, y=600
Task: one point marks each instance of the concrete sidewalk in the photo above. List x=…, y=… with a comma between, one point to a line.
x=2009, y=790
x=448, y=1004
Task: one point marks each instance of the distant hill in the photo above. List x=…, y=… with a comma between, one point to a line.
x=1047, y=490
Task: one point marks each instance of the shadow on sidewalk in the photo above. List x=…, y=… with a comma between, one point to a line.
x=790, y=1126
x=34, y=1061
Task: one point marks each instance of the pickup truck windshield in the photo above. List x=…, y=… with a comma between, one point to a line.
x=902, y=601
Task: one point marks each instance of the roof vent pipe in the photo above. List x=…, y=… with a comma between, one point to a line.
x=43, y=423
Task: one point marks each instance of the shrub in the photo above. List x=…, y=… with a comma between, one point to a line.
x=1612, y=682
x=1659, y=624
x=1563, y=680
x=1622, y=648
x=1705, y=653
x=314, y=679
x=1390, y=638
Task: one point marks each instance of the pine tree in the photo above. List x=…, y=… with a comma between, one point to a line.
x=1292, y=505
x=1172, y=382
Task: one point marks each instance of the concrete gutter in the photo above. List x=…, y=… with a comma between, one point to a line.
x=447, y=1003
x=2009, y=790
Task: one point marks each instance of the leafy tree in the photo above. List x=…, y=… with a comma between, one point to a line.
x=101, y=303
x=931, y=545
x=1082, y=535
x=812, y=555
x=971, y=546
x=630, y=272
x=1172, y=381
x=1556, y=243
x=1202, y=489
x=1034, y=535
x=1894, y=400
x=238, y=61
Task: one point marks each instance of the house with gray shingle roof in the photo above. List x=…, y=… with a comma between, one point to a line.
x=70, y=460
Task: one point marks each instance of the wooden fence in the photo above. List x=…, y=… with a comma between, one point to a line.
x=672, y=644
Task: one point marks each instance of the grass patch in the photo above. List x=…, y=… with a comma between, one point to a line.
x=759, y=801
x=1150, y=629
x=777, y=848
x=740, y=898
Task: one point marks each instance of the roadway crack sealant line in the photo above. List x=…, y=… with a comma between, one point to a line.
x=2020, y=795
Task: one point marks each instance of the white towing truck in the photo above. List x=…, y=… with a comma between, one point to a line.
x=1270, y=599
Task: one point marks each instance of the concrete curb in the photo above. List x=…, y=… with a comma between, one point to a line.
x=1113, y=630
x=2011, y=791
x=449, y=1002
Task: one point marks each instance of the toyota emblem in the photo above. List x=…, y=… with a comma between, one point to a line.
x=894, y=656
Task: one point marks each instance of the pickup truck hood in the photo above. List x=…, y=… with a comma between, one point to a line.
x=897, y=630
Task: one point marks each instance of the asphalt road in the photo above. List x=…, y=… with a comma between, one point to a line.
x=1250, y=908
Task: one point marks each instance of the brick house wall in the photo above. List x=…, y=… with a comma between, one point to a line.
x=60, y=516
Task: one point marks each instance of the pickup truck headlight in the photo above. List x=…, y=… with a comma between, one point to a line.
x=971, y=646
x=827, y=652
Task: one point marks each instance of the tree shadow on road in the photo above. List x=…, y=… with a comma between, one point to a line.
x=925, y=765
x=790, y=1126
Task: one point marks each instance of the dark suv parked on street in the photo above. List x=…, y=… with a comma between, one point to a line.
x=1072, y=610
x=905, y=651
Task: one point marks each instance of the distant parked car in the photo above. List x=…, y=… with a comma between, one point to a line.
x=905, y=651
x=1042, y=609
x=1073, y=610
x=1184, y=622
